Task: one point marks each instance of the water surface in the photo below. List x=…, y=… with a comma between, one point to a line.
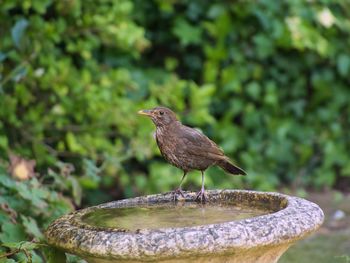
x=165, y=215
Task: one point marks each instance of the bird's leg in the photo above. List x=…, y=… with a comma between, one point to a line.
x=201, y=194
x=178, y=191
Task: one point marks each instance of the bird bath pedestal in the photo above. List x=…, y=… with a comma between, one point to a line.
x=185, y=231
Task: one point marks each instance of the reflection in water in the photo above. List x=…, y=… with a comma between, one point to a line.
x=164, y=215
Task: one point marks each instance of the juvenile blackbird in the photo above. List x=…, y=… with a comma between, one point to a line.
x=187, y=148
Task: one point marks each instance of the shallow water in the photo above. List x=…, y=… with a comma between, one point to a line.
x=169, y=215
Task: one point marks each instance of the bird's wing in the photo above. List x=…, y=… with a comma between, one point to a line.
x=196, y=143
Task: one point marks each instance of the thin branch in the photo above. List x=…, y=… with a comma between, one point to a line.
x=10, y=253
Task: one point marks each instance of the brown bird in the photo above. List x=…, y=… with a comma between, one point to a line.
x=187, y=148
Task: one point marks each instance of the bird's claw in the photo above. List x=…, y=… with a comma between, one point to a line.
x=201, y=196
x=178, y=192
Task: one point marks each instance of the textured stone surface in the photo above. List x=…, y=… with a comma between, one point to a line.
x=258, y=239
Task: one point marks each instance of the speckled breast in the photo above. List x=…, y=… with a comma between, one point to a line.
x=174, y=153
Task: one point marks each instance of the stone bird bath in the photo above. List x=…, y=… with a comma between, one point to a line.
x=265, y=226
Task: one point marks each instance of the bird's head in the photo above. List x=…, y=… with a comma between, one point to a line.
x=161, y=116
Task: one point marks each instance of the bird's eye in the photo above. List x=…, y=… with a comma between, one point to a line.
x=161, y=113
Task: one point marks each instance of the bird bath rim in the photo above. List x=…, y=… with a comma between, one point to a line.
x=293, y=219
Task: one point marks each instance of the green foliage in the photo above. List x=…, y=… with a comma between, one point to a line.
x=71, y=84
x=26, y=209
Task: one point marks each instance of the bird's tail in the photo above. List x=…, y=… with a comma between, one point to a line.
x=230, y=168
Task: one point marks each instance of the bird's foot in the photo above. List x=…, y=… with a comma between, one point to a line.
x=178, y=192
x=201, y=196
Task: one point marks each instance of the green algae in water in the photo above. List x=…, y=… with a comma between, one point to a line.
x=167, y=215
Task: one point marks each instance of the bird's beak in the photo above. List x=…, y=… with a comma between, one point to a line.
x=145, y=112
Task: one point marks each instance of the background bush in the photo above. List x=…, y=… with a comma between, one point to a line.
x=27, y=208
x=267, y=80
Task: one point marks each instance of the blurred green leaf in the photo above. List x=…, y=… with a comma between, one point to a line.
x=23, y=245
x=91, y=179
x=3, y=56
x=77, y=191
x=7, y=260
x=31, y=227
x=343, y=64
x=12, y=233
x=18, y=30
x=186, y=33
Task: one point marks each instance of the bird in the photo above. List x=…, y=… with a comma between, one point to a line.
x=187, y=148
